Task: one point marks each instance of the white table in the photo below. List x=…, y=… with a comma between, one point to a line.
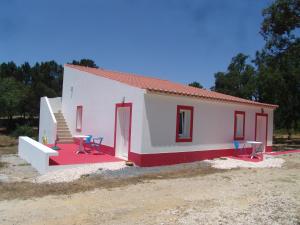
x=254, y=145
x=80, y=148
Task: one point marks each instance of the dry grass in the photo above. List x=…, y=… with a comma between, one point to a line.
x=8, y=150
x=8, y=145
x=7, y=141
x=3, y=164
x=26, y=190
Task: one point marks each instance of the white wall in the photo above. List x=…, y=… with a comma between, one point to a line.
x=35, y=153
x=213, y=124
x=55, y=104
x=98, y=96
x=47, y=121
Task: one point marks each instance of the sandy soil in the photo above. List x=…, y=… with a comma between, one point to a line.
x=239, y=196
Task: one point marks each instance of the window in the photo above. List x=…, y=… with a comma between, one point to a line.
x=79, y=118
x=239, y=125
x=184, y=126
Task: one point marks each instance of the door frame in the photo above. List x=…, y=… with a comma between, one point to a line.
x=256, y=116
x=120, y=105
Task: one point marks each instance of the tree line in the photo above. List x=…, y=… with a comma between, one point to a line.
x=22, y=86
x=273, y=74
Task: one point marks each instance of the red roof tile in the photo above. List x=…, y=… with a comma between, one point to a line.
x=165, y=86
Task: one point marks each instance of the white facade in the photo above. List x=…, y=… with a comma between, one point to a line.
x=154, y=116
x=213, y=124
x=98, y=96
x=47, y=121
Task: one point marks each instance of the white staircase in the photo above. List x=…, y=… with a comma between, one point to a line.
x=63, y=132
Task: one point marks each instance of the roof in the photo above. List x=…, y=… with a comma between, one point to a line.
x=164, y=86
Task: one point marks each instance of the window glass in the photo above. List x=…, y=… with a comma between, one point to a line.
x=79, y=118
x=239, y=125
x=184, y=123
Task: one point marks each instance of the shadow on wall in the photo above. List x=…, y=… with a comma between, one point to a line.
x=161, y=122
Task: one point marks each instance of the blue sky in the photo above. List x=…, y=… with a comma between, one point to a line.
x=179, y=40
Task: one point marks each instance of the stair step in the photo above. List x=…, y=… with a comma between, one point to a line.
x=63, y=132
x=62, y=125
x=59, y=118
x=61, y=121
x=64, y=136
x=63, y=129
x=65, y=142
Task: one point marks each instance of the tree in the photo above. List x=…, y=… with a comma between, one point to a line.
x=281, y=19
x=85, y=62
x=12, y=95
x=239, y=79
x=196, y=84
x=279, y=62
x=46, y=80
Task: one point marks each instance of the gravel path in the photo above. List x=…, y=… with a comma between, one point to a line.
x=229, y=163
x=119, y=170
x=71, y=174
x=269, y=196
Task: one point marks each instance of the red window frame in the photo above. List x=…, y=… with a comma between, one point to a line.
x=79, y=108
x=235, y=125
x=183, y=107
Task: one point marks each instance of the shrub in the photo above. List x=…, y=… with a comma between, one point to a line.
x=23, y=130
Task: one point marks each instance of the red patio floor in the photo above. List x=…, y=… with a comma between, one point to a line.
x=67, y=156
x=247, y=158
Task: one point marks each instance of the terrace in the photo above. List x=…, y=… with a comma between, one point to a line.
x=67, y=155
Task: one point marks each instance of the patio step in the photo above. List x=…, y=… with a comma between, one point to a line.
x=62, y=126
x=61, y=136
x=62, y=129
x=63, y=132
x=65, y=141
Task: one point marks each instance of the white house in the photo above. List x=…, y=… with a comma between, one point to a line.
x=151, y=121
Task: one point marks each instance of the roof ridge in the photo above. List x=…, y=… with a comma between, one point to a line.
x=120, y=72
x=165, y=86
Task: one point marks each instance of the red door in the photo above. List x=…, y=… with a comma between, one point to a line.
x=261, y=128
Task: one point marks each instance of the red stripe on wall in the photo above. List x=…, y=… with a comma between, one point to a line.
x=161, y=159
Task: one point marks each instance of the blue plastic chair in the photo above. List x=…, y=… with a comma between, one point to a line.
x=97, y=143
x=88, y=141
x=236, y=145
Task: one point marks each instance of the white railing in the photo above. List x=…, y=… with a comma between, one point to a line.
x=35, y=153
x=55, y=104
x=48, y=123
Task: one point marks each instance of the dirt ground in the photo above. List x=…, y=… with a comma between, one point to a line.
x=240, y=196
x=184, y=194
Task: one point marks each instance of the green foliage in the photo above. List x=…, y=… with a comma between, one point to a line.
x=281, y=19
x=85, y=62
x=239, y=79
x=12, y=96
x=24, y=130
x=279, y=62
x=196, y=84
x=274, y=75
x=21, y=87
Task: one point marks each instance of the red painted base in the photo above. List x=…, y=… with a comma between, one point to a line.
x=160, y=159
x=283, y=152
